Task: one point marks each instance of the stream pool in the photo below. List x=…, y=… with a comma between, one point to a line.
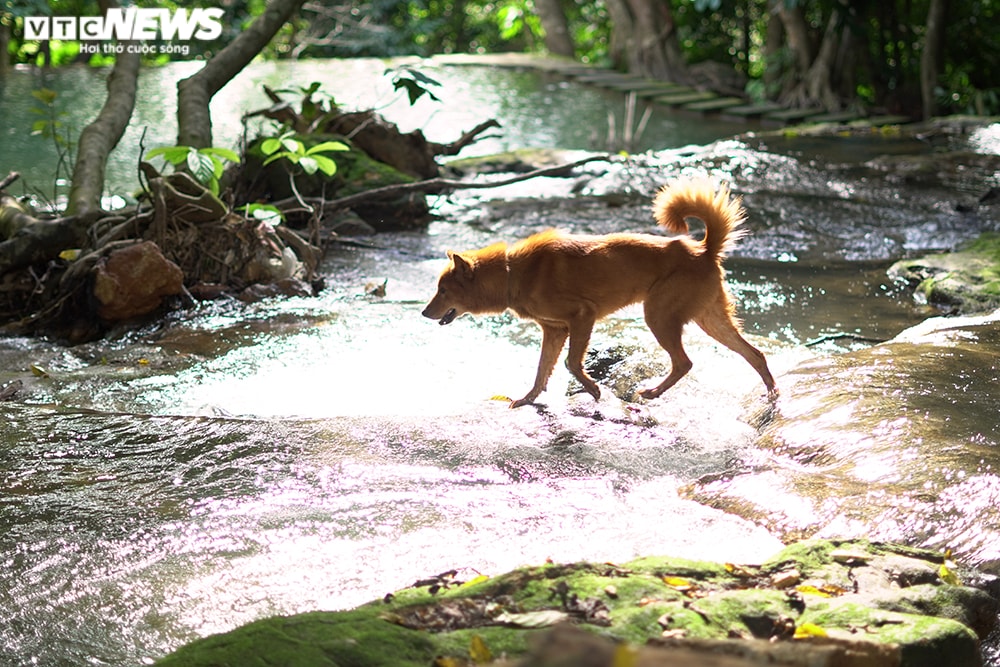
x=237, y=461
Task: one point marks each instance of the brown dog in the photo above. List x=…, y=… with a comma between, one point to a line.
x=568, y=282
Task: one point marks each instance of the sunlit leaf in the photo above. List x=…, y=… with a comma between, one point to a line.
x=309, y=164
x=202, y=167
x=806, y=589
x=270, y=145
x=479, y=652
x=325, y=164
x=477, y=580
x=328, y=146
x=625, y=656
x=806, y=630
x=221, y=153
x=172, y=154
x=38, y=371
x=948, y=576
x=680, y=583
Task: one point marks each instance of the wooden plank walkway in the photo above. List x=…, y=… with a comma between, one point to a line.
x=669, y=94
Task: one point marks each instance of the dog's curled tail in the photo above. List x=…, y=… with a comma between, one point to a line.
x=699, y=198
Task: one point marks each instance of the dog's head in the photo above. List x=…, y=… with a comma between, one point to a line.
x=455, y=294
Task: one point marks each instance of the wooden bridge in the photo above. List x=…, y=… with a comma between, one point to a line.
x=675, y=96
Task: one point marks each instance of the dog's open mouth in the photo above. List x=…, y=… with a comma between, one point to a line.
x=448, y=317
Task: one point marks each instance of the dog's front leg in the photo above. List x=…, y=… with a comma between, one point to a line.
x=553, y=339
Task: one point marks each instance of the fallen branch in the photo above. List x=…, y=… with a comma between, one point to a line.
x=435, y=185
x=9, y=178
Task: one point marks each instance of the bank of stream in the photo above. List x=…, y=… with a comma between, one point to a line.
x=237, y=461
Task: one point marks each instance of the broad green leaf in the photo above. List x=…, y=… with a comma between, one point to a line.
x=293, y=145
x=202, y=167
x=309, y=164
x=328, y=146
x=265, y=213
x=222, y=153
x=270, y=145
x=325, y=164
x=172, y=154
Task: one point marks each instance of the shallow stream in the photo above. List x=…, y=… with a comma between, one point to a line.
x=238, y=461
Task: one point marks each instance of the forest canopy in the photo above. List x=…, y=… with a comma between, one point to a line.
x=915, y=57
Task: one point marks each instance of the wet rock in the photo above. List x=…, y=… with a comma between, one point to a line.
x=286, y=287
x=965, y=282
x=665, y=611
x=132, y=281
x=886, y=442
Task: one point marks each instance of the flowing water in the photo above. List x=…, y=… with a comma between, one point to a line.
x=237, y=461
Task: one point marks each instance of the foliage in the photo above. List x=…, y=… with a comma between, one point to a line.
x=879, y=65
x=204, y=164
x=52, y=127
x=311, y=160
x=415, y=83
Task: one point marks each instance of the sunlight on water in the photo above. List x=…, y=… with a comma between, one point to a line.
x=986, y=139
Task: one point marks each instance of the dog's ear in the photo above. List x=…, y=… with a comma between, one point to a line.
x=462, y=266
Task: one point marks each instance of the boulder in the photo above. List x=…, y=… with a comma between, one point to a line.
x=847, y=604
x=132, y=281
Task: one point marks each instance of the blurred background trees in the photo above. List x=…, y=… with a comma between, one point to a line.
x=917, y=57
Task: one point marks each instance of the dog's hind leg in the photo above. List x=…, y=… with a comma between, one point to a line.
x=553, y=339
x=579, y=340
x=718, y=323
x=667, y=324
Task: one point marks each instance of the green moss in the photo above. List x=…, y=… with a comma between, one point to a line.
x=316, y=639
x=925, y=641
x=706, y=601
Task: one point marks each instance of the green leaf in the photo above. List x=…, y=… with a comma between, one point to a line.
x=172, y=154
x=271, y=215
x=293, y=145
x=325, y=164
x=270, y=145
x=45, y=96
x=309, y=164
x=202, y=167
x=222, y=153
x=414, y=90
x=328, y=146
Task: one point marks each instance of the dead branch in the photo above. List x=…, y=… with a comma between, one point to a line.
x=435, y=185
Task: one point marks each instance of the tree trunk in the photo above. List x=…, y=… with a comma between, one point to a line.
x=930, y=57
x=644, y=39
x=102, y=135
x=195, y=92
x=556, y=27
x=812, y=83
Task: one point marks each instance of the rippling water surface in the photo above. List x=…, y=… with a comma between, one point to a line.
x=238, y=461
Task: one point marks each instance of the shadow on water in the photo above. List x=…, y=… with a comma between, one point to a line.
x=244, y=460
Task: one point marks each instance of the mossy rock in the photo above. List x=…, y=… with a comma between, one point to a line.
x=702, y=603
x=963, y=282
